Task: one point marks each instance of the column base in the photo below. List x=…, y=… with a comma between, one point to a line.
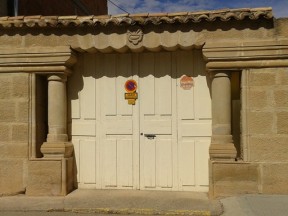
x=57, y=138
x=225, y=151
x=57, y=149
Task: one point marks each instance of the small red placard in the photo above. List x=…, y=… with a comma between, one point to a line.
x=186, y=82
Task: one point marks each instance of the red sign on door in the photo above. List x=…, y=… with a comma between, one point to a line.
x=131, y=86
x=131, y=95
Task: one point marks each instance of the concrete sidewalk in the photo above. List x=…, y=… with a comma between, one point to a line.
x=118, y=202
x=150, y=203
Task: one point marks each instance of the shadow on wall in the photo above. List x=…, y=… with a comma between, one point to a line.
x=86, y=66
x=205, y=26
x=41, y=113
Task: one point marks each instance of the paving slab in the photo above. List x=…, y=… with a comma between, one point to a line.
x=255, y=205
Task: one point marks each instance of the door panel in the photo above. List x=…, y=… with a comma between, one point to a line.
x=90, y=88
x=156, y=117
x=87, y=161
x=116, y=124
x=82, y=126
x=108, y=84
x=118, y=127
x=164, y=164
x=159, y=126
x=201, y=161
x=194, y=122
x=123, y=73
x=187, y=163
x=148, y=161
x=147, y=87
x=125, y=163
x=163, y=82
x=109, y=160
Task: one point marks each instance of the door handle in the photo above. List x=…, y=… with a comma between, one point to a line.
x=150, y=136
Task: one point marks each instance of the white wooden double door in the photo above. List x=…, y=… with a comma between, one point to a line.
x=161, y=142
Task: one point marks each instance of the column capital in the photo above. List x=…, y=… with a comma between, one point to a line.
x=220, y=73
x=57, y=77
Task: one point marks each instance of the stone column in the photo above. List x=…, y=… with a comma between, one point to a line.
x=57, y=144
x=222, y=146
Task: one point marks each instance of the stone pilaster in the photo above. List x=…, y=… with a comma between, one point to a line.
x=57, y=144
x=222, y=146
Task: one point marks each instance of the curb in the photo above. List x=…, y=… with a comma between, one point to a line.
x=140, y=211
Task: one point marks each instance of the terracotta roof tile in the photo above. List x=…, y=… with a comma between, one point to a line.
x=178, y=14
x=16, y=18
x=50, y=17
x=67, y=17
x=102, y=17
x=139, y=15
x=4, y=18
x=33, y=17
x=121, y=15
x=139, y=19
x=157, y=14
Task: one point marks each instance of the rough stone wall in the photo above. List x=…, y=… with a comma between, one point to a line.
x=281, y=27
x=14, y=131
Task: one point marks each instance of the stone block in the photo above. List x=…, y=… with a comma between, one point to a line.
x=233, y=178
x=281, y=27
x=5, y=87
x=5, y=132
x=7, y=111
x=12, y=150
x=44, y=178
x=268, y=148
x=260, y=122
x=22, y=111
x=235, y=170
x=282, y=76
x=20, y=86
x=11, y=177
x=50, y=177
x=262, y=77
x=282, y=123
x=274, y=178
x=281, y=98
x=258, y=98
x=20, y=132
